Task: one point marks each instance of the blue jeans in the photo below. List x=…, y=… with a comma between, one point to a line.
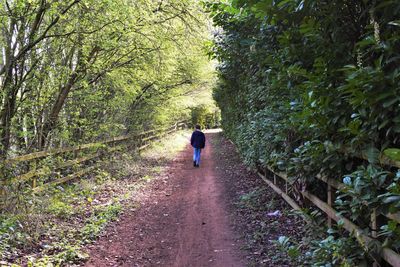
x=196, y=155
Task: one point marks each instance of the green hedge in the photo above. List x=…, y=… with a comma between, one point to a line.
x=299, y=81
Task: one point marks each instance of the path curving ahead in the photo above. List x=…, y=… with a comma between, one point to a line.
x=182, y=222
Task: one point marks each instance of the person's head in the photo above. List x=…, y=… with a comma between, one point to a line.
x=197, y=127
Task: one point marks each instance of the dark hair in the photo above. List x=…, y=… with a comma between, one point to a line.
x=197, y=127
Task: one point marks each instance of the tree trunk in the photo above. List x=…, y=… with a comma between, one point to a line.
x=6, y=114
x=51, y=122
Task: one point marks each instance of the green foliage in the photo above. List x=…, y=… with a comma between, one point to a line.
x=69, y=254
x=94, y=69
x=362, y=194
x=205, y=116
x=285, y=245
x=102, y=176
x=392, y=153
x=10, y=236
x=68, y=249
x=98, y=221
x=301, y=82
x=343, y=251
x=333, y=248
x=60, y=208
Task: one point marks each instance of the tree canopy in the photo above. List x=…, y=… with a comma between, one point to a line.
x=78, y=70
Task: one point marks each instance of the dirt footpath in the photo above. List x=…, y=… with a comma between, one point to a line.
x=182, y=222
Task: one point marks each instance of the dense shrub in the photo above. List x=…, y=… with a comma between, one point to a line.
x=302, y=81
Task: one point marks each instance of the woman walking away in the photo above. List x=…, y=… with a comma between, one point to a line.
x=198, y=142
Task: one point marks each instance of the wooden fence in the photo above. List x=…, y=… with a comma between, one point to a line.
x=76, y=161
x=387, y=254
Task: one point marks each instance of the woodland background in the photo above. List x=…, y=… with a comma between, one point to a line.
x=75, y=71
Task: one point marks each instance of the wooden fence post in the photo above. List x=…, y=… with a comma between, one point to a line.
x=286, y=187
x=34, y=180
x=374, y=224
x=2, y=190
x=374, y=232
x=329, y=202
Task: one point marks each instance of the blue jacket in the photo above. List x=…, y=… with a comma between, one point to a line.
x=198, y=139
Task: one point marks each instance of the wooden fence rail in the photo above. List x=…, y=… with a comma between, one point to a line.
x=109, y=146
